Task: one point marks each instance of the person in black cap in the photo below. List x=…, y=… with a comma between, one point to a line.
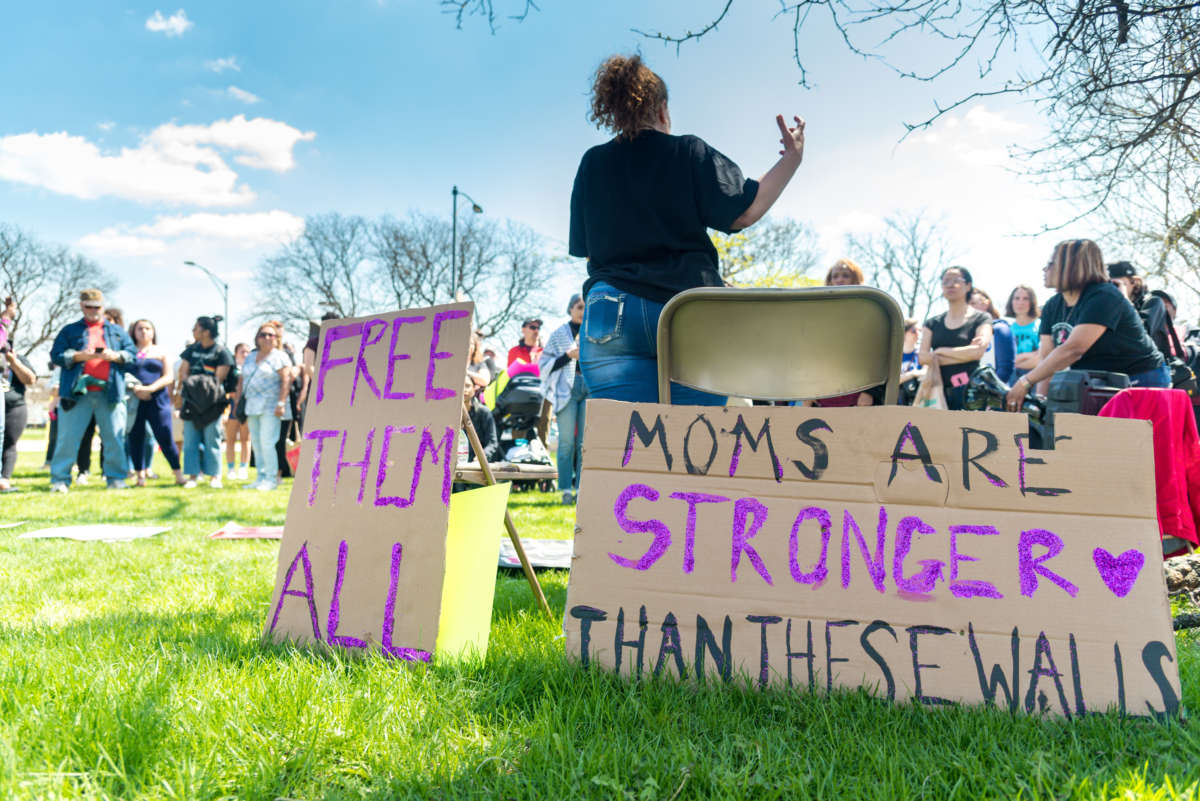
x=529, y=349
x=1149, y=306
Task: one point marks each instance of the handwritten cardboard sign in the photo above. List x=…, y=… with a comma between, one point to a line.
x=376, y=552
x=924, y=554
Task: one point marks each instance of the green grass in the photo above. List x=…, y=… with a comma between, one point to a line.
x=135, y=671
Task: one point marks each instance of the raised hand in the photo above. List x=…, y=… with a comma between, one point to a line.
x=792, y=139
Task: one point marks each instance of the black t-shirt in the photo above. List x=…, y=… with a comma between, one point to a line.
x=1124, y=347
x=15, y=395
x=641, y=207
x=206, y=360
x=944, y=337
x=1155, y=320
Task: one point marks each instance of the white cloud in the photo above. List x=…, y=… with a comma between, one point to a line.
x=106, y=126
x=222, y=64
x=242, y=95
x=174, y=25
x=251, y=230
x=176, y=164
x=978, y=137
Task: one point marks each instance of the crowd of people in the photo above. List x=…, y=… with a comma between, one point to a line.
x=641, y=208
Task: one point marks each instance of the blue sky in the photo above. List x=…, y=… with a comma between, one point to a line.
x=145, y=135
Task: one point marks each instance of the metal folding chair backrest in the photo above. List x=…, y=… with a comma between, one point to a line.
x=780, y=344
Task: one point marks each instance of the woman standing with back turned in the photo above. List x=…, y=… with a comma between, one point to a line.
x=640, y=210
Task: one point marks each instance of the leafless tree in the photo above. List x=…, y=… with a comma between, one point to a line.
x=773, y=252
x=329, y=267
x=44, y=280
x=906, y=258
x=502, y=266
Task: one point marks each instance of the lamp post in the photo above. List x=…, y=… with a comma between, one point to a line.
x=475, y=207
x=222, y=287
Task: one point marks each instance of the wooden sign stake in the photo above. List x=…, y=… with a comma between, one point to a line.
x=489, y=479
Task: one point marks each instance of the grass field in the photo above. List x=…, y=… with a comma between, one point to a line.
x=135, y=671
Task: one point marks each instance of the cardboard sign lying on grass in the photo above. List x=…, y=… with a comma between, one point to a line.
x=924, y=554
x=376, y=553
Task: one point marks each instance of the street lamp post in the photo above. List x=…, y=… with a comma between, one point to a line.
x=222, y=287
x=475, y=207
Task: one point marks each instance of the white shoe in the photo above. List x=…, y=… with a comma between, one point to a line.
x=58, y=486
x=190, y=484
x=253, y=485
x=266, y=486
x=243, y=473
x=81, y=479
x=216, y=483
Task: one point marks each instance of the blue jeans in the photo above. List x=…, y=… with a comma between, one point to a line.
x=110, y=419
x=264, y=433
x=618, y=350
x=570, y=436
x=1158, y=377
x=202, y=448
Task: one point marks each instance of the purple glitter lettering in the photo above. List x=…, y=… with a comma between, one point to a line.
x=923, y=582
x=301, y=559
x=969, y=588
x=662, y=534
x=335, y=606
x=360, y=363
x=748, y=517
x=1119, y=572
x=876, y=563
x=689, y=534
x=427, y=446
x=320, y=435
x=335, y=333
x=394, y=357
x=381, y=475
x=389, y=617
x=1028, y=568
x=432, y=392
x=363, y=466
x=821, y=569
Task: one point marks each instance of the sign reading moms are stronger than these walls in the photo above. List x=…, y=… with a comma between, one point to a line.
x=376, y=553
x=924, y=554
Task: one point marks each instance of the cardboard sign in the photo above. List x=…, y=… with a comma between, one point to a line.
x=924, y=554
x=376, y=553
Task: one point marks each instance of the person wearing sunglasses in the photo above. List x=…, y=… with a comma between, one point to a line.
x=265, y=382
x=529, y=349
x=93, y=354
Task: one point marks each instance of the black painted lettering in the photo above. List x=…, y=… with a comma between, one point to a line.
x=1042, y=653
x=764, y=673
x=804, y=433
x=1153, y=654
x=637, y=428
x=913, y=645
x=987, y=686
x=990, y=446
x=805, y=655
x=688, y=464
x=1022, y=460
x=722, y=655
x=639, y=644
x=829, y=657
x=586, y=615
x=913, y=434
x=741, y=432
x=670, y=646
x=871, y=628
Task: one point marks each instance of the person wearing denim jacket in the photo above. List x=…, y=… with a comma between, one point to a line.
x=93, y=354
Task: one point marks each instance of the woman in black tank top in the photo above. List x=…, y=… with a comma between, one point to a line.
x=958, y=337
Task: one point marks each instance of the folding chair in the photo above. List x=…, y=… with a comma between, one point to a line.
x=780, y=344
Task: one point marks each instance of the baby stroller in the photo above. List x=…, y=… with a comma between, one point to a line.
x=516, y=404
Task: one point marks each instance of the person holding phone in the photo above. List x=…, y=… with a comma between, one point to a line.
x=94, y=354
x=563, y=386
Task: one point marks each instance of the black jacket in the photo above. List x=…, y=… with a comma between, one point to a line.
x=203, y=399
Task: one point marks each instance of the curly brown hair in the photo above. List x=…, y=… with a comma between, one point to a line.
x=626, y=96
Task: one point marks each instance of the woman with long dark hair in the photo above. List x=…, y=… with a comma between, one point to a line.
x=641, y=207
x=152, y=368
x=956, y=339
x=1022, y=310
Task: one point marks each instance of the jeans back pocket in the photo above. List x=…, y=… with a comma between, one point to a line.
x=603, y=316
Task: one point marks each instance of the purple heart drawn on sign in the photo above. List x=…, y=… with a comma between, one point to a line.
x=1119, y=572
